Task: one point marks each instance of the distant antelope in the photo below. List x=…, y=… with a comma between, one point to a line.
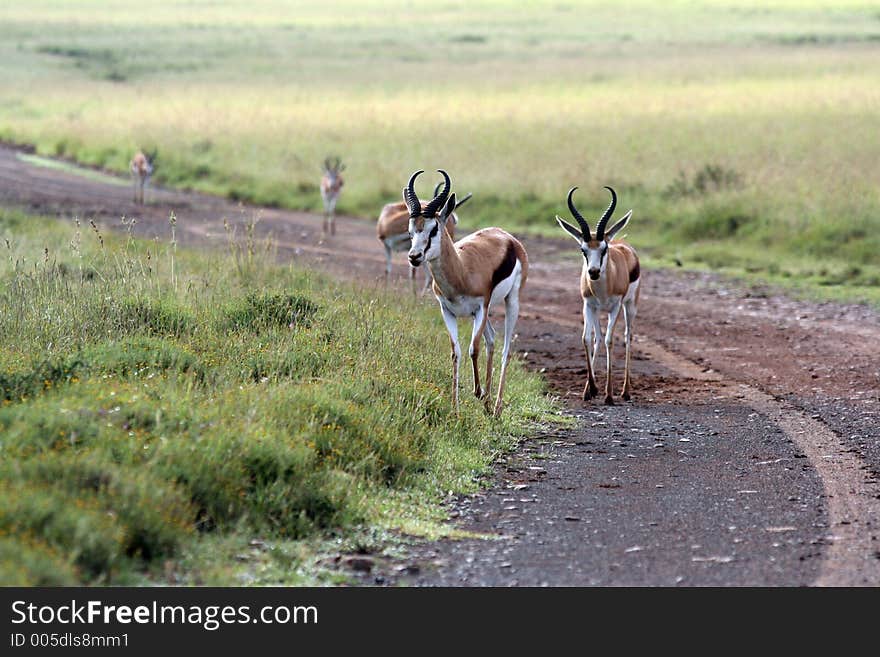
x=470, y=276
x=610, y=280
x=331, y=186
x=141, y=168
x=392, y=229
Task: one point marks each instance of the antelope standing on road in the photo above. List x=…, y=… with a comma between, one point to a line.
x=392, y=229
x=610, y=280
x=331, y=186
x=470, y=276
x=141, y=168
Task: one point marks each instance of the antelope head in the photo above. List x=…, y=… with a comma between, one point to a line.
x=594, y=248
x=332, y=167
x=425, y=222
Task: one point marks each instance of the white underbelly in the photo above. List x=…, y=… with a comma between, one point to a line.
x=606, y=303
x=467, y=306
x=461, y=306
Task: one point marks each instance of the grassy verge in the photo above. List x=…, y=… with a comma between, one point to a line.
x=166, y=415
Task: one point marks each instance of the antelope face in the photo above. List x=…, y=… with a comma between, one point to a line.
x=595, y=256
x=425, y=223
x=593, y=247
x=425, y=237
x=332, y=175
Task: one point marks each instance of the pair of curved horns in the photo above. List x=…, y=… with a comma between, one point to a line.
x=603, y=221
x=412, y=200
x=336, y=166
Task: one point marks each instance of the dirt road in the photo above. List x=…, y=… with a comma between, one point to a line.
x=750, y=453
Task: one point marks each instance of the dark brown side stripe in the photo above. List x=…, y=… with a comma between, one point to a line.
x=505, y=269
x=634, y=274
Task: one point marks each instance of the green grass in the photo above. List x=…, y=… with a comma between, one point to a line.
x=162, y=409
x=519, y=101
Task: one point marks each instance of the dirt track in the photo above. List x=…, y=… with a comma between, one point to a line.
x=750, y=453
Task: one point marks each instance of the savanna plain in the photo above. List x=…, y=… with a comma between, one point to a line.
x=165, y=411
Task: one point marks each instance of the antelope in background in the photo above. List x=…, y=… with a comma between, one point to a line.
x=141, y=167
x=610, y=280
x=392, y=229
x=470, y=276
x=331, y=186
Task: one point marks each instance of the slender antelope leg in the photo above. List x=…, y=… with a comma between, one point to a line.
x=412, y=280
x=474, y=350
x=629, y=314
x=597, y=335
x=489, y=334
x=511, y=314
x=452, y=328
x=590, y=389
x=332, y=218
x=387, y=262
x=609, y=346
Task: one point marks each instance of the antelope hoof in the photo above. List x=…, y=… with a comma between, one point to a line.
x=497, y=412
x=625, y=395
x=479, y=393
x=590, y=391
x=609, y=400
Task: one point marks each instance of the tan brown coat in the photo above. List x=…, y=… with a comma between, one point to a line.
x=621, y=270
x=470, y=264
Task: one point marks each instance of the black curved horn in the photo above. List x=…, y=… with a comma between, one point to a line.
x=438, y=201
x=600, y=227
x=409, y=193
x=585, y=227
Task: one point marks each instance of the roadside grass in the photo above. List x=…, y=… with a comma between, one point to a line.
x=181, y=417
x=737, y=131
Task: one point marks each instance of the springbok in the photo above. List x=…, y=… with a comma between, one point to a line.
x=610, y=280
x=141, y=168
x=331, y=186
x=470, y=276
x=392, y=229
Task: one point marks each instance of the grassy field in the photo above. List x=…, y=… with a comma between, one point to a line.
x=744, y=133
x=168, y=416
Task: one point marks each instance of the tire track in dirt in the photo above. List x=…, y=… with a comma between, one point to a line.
x=794, y=376
x=853, y=558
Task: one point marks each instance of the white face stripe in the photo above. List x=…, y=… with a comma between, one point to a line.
x=425, y=242
x=596, y=258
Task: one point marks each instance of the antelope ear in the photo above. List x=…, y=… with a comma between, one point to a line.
x=446, y=212
x=611, y=232
x=571, y=230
